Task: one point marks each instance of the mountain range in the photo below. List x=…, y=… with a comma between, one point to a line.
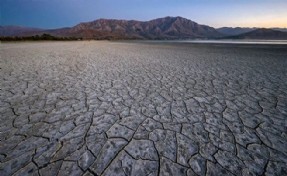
x=17, y=30
x=229, y=31
x=161, y=28
x=266, y=34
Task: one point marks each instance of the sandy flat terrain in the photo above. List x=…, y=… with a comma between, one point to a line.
x=132, y=108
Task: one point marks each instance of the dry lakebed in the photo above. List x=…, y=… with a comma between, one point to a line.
x=142, y=108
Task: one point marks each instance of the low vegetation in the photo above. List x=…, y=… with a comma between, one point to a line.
x=38, y=38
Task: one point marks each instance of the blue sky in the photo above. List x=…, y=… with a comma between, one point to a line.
x=216, y=13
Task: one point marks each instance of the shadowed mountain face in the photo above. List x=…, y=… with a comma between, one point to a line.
x=162, y=28
x=268, y=34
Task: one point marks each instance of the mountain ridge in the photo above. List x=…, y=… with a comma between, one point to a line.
x=232, y=31
x=11, y=30
x=161, y=28
x=262, y=33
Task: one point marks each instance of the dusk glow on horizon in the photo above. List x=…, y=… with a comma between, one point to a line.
x=215, y=13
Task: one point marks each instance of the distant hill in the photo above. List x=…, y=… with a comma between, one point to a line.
x=229, y=31
x=36, y=38
x=267, y=34
x=17, y=30
x=280, y=29
x=161, y=28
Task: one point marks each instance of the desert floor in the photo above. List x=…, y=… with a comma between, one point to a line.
x=142, y=108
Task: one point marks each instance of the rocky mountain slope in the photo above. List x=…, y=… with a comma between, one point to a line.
x=161, y=28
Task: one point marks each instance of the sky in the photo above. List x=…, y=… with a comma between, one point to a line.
x=216, y=13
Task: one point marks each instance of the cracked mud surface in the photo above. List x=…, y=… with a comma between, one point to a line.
x=109, y=108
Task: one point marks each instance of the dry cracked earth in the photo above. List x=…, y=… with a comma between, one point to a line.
x=111, y=108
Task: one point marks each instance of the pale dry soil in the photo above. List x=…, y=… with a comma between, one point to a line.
x=142, y=108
